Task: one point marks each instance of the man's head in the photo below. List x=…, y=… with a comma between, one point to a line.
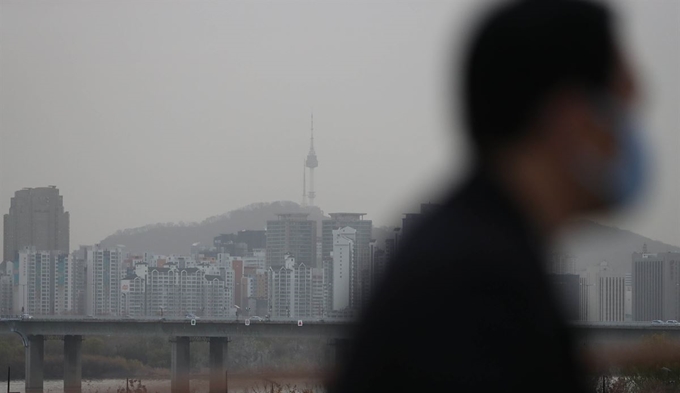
x=547, y=78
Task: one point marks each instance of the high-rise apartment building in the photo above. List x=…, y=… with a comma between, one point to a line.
x=102, y=280
x=172, y=292
x=343, y=265
x=656, y=286
x=296, y=291
x=239, y=288
x=36, y=219
x=79, y=258
x=293, y=234
x=6, y=288
x=133, y=292
x=44, y=283
x=361, y=271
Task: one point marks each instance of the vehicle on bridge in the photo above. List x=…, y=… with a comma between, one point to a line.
x=658, y=322
x=672, y=322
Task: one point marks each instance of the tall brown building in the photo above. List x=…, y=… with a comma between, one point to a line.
x=36, y=218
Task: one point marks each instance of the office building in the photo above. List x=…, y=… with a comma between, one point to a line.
x=603, y=294
x=629, y=297
x=36, y=219
x=656, y=286
x=294, y=234
x=612, y=299
x=254, y=239
x=230, y=244
x=257, y=259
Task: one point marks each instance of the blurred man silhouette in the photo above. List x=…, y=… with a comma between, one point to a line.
x=548, y=100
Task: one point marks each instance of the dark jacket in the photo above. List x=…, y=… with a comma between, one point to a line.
x=465, y=306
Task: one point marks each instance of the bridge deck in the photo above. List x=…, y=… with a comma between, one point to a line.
x=176, y=328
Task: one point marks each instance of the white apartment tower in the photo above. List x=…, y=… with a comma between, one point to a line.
x=45, y=283
x=170, y=291
x=343, y=264
x=102, y=280
x=295, y=291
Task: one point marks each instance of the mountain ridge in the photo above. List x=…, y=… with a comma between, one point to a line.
x=177, y=238
x=589, y=241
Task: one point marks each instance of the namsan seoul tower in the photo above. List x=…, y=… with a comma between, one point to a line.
x=311, y=163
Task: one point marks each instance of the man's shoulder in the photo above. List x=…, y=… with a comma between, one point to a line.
x=461, y=228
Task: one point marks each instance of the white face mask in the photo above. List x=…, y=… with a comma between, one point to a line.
x=619, y=180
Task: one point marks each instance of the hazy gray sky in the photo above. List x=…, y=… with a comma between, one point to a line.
x=151, y=111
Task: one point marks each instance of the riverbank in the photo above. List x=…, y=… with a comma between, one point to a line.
x=237, y=383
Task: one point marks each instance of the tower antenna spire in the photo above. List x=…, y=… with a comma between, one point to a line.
x=304, y=184
x=311, y=162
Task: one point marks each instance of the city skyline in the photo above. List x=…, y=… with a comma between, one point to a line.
x=148, y=122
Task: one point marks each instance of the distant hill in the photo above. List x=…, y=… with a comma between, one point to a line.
x=592, y=243
x=172, y=238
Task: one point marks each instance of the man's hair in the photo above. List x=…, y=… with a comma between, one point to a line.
x=523, y=51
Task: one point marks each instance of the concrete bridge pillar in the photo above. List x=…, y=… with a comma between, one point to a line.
x=73, y=364
x=35, y=352
x=218, y=364
x=180, y=367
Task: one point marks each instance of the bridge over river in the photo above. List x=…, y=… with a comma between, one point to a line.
x=217, y=332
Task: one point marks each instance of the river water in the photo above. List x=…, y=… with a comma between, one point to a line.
x=236, y=385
